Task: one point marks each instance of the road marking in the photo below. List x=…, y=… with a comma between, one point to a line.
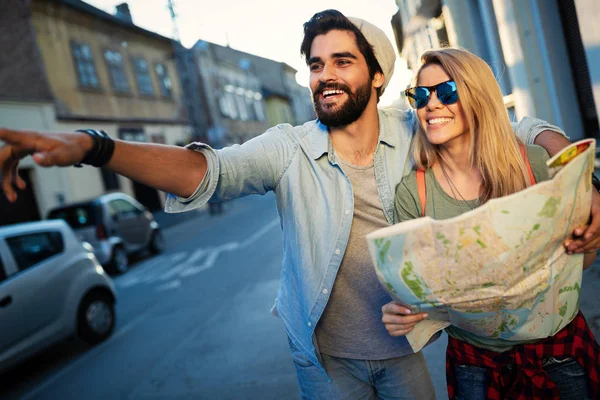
x=180, y=265
x=232, y=246
x=261, y=232
x=196, y=255
x=98, y=348
x=148, y=270
x=168, y=286
x=178, y=257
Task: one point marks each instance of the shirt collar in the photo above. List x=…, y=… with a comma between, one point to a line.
x=321, y=142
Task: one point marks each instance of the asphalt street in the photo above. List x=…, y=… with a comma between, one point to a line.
x=194, y=322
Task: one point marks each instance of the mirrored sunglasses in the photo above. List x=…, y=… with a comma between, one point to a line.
x=418, y=96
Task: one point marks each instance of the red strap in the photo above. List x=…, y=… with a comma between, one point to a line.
x=526, y=160
x=421, y=179
x=422, y=189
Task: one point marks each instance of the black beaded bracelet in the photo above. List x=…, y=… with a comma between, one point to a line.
x=101, y=151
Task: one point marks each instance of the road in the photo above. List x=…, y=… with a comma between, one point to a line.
x=194, y=322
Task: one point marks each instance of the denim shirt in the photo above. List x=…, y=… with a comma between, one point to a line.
x=315, y=203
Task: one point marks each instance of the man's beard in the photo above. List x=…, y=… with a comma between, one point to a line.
x=349, y=111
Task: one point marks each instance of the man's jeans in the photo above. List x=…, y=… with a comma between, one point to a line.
x=403, y=377
x=567, y=374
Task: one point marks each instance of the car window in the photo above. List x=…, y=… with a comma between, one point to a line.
x=124, y=207
x=114, y=208
x=76, y=216
x=33, y=248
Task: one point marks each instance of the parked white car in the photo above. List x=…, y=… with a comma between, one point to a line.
x=51, y=287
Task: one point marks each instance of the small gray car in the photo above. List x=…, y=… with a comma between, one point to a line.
x=52, y=287
x=116, y=225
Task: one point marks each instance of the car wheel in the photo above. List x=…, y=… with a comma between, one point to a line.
x=157, y=242
x=96, y=318
x=120, y=261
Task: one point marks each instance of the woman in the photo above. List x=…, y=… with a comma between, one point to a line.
x=469, y=155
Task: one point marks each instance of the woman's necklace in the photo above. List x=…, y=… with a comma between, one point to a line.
x=452, y=188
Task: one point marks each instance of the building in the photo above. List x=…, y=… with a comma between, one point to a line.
x=543, y=52
x=85, y=68
x=246, y=94
x=26, y=102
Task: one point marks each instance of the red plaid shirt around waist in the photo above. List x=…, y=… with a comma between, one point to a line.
x=575, y=340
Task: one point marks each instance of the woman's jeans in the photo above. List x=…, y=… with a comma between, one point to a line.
x=567, y=374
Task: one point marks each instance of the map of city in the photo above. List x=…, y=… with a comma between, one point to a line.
x=499, y=271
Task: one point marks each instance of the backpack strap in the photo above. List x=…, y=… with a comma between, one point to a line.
x=527, y=165
x=422, y=189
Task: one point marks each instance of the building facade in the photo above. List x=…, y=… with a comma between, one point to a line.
x=542, y=51
x=107, y=73
x=26, y=102
x=67, y=65
x=92, y=70
x=246, y=94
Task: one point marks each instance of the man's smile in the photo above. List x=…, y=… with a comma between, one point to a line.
x=331, y=95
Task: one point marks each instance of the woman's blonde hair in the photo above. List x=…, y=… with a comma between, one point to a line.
x=494, y=149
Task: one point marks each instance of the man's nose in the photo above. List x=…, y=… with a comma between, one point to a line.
x=328, y=74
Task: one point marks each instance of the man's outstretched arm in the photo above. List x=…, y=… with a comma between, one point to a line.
x=586, y=238
x=171, y=169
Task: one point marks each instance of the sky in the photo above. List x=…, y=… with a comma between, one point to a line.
x=267, y=28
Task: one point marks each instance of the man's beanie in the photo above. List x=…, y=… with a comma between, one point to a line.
x=382, y=47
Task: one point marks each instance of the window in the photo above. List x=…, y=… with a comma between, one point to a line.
x=132, y=135
x=123, y=207
x=258, y=108
x=249, y=98
x=84, y=64
x=33, y=248
x=241, y=104
x=166, y=87
x=142, y=74
x=227, y=102
x=116, y=69
x=223, y=105
x=76, y=216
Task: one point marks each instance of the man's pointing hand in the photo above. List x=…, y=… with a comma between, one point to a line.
x=47, y=149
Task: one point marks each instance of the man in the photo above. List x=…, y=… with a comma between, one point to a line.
x=334, y=180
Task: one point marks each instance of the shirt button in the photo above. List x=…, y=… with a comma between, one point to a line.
x=325, y=291
x=347, y=212
x=309, y=324
x=337, y=251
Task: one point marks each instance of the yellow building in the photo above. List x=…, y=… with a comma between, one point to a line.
x=102, y=72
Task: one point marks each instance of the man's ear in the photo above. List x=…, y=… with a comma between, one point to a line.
x=378, y=80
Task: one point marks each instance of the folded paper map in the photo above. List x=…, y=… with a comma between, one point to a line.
x=499, y=271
